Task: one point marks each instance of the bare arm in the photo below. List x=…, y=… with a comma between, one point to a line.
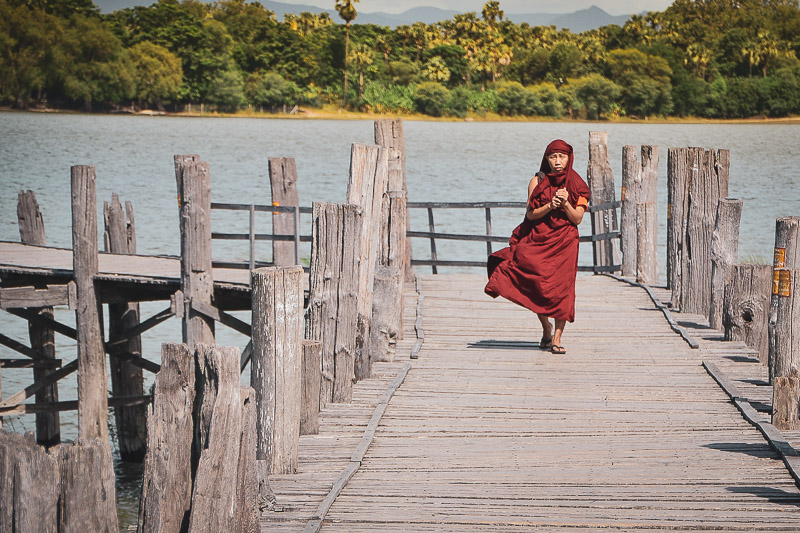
x=574, y=214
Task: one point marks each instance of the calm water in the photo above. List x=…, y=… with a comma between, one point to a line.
x=445, y=162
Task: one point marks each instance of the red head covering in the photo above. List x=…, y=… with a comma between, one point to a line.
x=568, y=178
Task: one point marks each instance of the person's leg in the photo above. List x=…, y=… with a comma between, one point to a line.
x=547, y=330
x=560, y=324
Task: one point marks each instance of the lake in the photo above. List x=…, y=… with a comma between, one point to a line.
x=446, y=161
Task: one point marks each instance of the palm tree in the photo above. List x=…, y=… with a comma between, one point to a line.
x=347, y=12
x=436, y=70
x=492, y=13
x=362, y=56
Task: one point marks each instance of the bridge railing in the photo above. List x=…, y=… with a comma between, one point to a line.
x=433, y=236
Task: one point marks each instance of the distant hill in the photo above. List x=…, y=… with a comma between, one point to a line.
x=579, y=21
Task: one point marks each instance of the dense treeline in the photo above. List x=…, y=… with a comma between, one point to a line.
x=706, y=58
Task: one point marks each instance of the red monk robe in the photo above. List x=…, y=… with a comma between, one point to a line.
x=538, y=268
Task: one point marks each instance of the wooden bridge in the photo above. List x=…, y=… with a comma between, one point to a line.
x=630, y=431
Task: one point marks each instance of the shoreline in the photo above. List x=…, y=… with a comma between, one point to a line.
x=341, y=114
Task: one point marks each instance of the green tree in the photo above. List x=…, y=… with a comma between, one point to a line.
x=347, y=12
x=432, y=98
x=227, y=90
x=513, y=99
x=594, y=95
x=645, y=81
x=27, y=40
x=93, y=68
x=436, y=70
x=157, y=74
x=362, y=57
x=270, y=90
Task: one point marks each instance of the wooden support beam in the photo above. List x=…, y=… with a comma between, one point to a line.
x=312, y=377
x=22, y=297
x=27, y=363
x=724, y=255
x=369, y=172
x=42, y=338
x=745, y=313
x=92, y=375
x=639, y=184
x=276, y=366
x=601, y=183
x=124, y=336
x=197, y=283
x=222, y=317
x=35, y=408
x=283, y=184
x=29, y=391
x=45, y=321
x=18, y=347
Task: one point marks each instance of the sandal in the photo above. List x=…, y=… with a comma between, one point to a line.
x=558, y=350
x=545, y=344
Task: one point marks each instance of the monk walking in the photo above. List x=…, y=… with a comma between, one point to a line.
x=538, y=268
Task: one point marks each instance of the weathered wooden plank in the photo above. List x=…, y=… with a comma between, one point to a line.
x=724, y=255
x=283, y=184
x=639, y=184
x=87, y=499
x=746, y=307
x=194, y=204
x=167, y=478
x=92, y=375
x=126, y=378
x=21, y=297
x=601, y=183
x=312, y=379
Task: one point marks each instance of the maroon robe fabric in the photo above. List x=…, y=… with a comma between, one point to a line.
x=538, y=268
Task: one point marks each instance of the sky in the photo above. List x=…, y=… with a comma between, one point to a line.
x=613, y=7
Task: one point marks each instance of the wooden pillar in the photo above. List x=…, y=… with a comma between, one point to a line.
x=745, y=311
x=312, y=376
x=92, y=377
x=724, y=255
x=247, y=514
x=389, y=133
x=217, y=431
x=30, y=479
x=646, y=262
x=167, y=479
x=639, y=184
x=333, y=297
x=126, y=378
x=276, y=364
x=784, y=324
x=384, y=333
x=696, y=180
x=88, y=493
x=601, y=184
x=31, y=231
x=283, y=183
x=365, y=188
x=197, y=282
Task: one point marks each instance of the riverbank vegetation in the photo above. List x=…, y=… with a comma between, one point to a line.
x=702, y=58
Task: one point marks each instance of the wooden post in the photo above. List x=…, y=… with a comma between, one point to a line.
x=283, y=183
x=167, y=479
x=639, y=184
x=601, y=184
x=696, y=180
x=92, y=377
x=646, y=262
x=384, y=332
x=724, y=255
x=217, y=430
x=389, y=133
x=365, y=188
x=30, y=479
x=332, y=308
x=745, y=311
x=784, y=324
x=88, y=494
x=247, y=476
x=31, y=231
x=126, y=379
x=276, y=365
x=312, y=376
x=197, y=282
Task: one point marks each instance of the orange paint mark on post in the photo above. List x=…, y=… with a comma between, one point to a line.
x=780, y=258
x=785, y=283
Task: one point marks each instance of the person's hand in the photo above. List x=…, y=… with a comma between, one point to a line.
x=559, y=199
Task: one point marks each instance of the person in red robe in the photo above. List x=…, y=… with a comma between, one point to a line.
x=538, y=268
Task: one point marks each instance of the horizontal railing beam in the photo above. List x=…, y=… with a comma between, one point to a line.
x=456, y=236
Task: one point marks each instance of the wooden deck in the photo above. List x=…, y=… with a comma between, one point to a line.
x=121, y=277
x=627, y=432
